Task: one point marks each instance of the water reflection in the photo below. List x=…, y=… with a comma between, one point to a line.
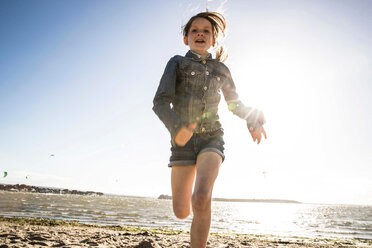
x=232, y=217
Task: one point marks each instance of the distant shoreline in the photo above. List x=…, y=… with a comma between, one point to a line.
x=45, y=190
x=257, y=200
x=49, y=190
x=168, y=197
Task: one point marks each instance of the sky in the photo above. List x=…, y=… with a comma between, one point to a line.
x=77, y=80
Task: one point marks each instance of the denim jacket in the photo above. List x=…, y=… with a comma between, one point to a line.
x=189, y=92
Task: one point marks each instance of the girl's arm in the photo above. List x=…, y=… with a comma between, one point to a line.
x=165, y=95
x=254, y=117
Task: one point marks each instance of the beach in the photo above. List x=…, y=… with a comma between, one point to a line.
x=38, y=232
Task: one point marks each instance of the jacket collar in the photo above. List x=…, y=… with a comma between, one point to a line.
x=197, y=57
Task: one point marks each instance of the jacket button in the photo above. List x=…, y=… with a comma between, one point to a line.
x=193, y=73
x=218, y=78
x=205, y=87
x=203, y=129
x=204, y=62
x=207, y=72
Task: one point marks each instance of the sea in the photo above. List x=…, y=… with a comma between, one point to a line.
x=281, y=219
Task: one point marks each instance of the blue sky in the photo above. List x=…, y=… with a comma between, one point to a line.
x=77, y=79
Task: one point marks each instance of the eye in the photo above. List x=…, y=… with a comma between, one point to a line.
x=206, y=31
x=193, y=30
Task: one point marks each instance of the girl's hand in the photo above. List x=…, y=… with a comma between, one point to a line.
x=184, y=135
x=256, y=134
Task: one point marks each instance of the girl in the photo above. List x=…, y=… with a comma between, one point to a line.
x=186, y=102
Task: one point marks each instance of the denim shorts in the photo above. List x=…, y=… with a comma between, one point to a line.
x=199, y=143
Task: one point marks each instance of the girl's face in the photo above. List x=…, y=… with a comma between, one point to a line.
x=200, y=36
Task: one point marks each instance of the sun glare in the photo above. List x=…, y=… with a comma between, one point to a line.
x=279, y=82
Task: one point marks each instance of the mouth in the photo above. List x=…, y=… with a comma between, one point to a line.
x=200, y=42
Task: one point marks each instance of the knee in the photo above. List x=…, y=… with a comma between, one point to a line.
x=201, y=201
x=181, y=212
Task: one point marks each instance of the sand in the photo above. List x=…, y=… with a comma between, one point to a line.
x=23, y=232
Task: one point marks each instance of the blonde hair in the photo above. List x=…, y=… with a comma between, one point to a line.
x=218, y=27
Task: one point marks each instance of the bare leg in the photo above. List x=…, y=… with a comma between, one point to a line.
x=207, y=166
x=182, y=181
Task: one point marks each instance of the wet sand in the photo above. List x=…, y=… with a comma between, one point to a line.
x=31, y=232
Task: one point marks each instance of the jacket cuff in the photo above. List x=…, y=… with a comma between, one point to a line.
x=175, y=129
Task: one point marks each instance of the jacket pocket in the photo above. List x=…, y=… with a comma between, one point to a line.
x=194, y=80
x=217, y=82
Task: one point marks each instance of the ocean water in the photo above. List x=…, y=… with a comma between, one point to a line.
x=304, y=220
